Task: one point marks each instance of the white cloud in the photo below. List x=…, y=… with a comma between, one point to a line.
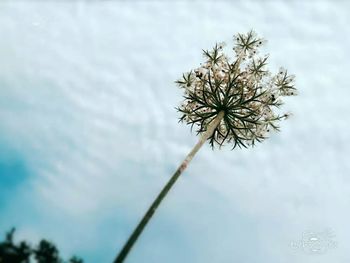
x=87, y=95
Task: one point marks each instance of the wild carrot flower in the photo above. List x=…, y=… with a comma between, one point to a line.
x=242, y=87
x=230, y=100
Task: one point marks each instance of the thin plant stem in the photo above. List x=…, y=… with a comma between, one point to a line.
x=138, y=230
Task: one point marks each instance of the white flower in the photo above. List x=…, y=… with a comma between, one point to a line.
x=243, y=88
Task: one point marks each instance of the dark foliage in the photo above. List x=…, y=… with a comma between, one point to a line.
x=22, y=252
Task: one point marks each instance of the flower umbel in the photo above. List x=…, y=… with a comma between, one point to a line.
x=242, y=87
x=230, y=101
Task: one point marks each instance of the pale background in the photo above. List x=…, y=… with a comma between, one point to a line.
x=89, y=134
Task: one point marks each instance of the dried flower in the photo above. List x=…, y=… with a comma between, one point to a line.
x=243, y=88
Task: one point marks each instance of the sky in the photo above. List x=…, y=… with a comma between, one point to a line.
x=89, y=133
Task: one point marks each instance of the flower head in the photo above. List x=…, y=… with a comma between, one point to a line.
x=242, y=87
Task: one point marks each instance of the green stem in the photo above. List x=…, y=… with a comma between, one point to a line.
x=138, y=230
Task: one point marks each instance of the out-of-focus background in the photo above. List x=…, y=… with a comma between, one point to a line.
x=89, y=134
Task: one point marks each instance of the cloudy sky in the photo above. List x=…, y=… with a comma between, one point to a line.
x=89, y=134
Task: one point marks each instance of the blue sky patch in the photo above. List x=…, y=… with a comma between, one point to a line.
x=13, y=172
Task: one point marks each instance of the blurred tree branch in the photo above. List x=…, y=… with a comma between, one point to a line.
x=44, y=252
